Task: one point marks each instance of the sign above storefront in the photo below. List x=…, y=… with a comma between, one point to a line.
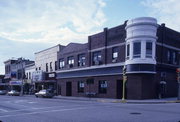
x=15, y=83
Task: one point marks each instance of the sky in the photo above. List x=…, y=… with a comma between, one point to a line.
x=29, y=26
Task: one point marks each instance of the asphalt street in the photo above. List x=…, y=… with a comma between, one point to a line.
x=31, y=109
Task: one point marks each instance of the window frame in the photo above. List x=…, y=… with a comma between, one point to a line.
x=149, y=55
x=81, y=86
x=115, y=52
x=61, y=63
x=96, y=57
x=137, y=50
x=128, y=51
x=103, y=85
x=81, y=59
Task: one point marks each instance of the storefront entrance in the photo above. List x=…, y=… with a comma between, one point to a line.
x=119, y=89
x=68, y=89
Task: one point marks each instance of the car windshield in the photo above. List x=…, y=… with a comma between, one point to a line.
x=42, y=91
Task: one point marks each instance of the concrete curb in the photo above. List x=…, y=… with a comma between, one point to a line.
x=114, y=101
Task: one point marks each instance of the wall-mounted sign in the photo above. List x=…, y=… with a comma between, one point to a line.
x=51, y=75
x=38, y=76
x=15, y=83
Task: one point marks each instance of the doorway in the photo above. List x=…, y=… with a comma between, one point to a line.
x=119, y=89
x=68, y=89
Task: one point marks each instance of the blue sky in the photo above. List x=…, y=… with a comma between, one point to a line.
x=28, y=26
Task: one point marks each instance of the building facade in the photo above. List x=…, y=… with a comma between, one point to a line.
x=149, y=51
x=29, y=84
x=15, y=73
x=46, y=64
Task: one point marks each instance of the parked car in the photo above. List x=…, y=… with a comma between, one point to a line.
x=13, y=93
x=45, y=93
x=3, y=92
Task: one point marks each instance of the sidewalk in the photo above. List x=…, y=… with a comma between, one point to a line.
x=148, y=101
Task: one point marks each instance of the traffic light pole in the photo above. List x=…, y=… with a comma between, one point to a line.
x=124, y=82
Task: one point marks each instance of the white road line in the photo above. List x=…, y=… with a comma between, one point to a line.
x=44, y=112
x=32, y=102
x=3, y=110
x=39, y=108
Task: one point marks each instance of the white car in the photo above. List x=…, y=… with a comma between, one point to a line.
x=44, y=93
x=3, y=92
x=13, y=93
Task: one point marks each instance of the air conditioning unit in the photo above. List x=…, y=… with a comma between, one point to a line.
x=114, y=60
x=97, y=62
x=70, y=65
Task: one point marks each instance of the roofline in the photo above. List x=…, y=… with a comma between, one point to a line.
x=48, y=48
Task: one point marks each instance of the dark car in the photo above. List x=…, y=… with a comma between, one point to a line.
x=13, y=93
x=3, y=92
x=45, y=93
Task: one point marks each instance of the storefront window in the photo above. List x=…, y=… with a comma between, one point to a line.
x=80, y=87
x=102, y=86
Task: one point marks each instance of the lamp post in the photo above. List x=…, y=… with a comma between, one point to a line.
x=124, y=82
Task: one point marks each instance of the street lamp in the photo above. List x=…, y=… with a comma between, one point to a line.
x=124, y=82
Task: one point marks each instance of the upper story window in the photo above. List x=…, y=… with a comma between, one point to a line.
x=71, y=61
x=127, y=51
x=81, y=60
x=51, y=69
x=148, y=49
x=46, y=67
x=29, y=75
x=61, y=63
x=39, y=68
x=115, y=53
x=103, y=86
x=97, y=58
x=174, y=57
x=169, y=56
x=55, y=65
x=136, y=49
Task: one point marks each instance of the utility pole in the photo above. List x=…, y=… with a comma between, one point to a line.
x=124, y=83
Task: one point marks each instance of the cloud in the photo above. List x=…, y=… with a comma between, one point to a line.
x=55, y=21
x=16, y=49
x=166, y=11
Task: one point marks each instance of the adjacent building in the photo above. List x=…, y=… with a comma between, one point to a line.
x=29, y=84
x=15, y=72
x=149, y=51
x=46, y=64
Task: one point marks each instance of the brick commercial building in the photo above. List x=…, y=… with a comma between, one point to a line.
x=150, y=52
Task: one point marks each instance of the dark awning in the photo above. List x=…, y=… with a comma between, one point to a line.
x=91, y=72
